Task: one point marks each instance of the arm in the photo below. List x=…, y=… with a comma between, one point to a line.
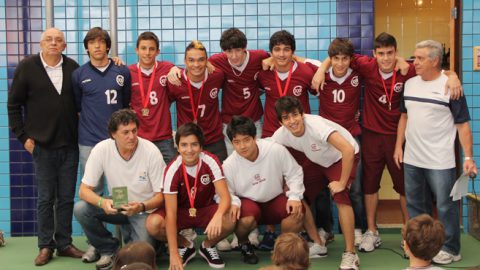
x=214, y=227
x=136, y=207
x=453, y=85
x=236, y=202
x=87, y=194
x=293, y=175
x=17, y=98
x=398, y=154
x=465, y=137
x=402, y=65
x=318, y=80
x=348, y=153
x=171, y=228
x=174, y=76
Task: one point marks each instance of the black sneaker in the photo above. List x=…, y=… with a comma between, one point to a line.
x=268, y=241
x=211, y=256
x=248, y=253
x=186, y=254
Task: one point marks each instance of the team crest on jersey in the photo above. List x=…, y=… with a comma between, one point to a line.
x=120, y=80
x=163, y=80
x=398, y=87
x=314, y=147
x=297, y=90
x=255, y=76
x=257, y=179
x=205, y=179
x=214, y=93
x=354, y=81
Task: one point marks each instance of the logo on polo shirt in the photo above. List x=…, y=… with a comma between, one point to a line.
x=120, y=80
x=214, y=93
x=314, y=147
x=257, y=179
x=143, y=176
x=297, y=90
x=205, y=179
x=163, y=80
x=398, y=87
x=255, y=76
x=354, y=81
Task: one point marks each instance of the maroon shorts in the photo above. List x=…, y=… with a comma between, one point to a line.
x=316, y=178
x=377, y=151
x=185, y=221
x=271, y=212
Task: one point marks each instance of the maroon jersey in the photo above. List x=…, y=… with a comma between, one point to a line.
x=299, y=86
x=158, y=124
x=376, y=113
x=340, y=100
x=210, y=171
x=241, y=92
x=206, y=105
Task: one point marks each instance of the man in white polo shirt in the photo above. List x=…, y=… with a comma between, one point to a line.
x=429, y=124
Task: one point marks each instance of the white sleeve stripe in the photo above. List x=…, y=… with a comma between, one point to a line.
x=214, y=167
x=170, y=174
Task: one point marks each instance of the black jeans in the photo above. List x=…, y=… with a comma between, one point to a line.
x=56, y=176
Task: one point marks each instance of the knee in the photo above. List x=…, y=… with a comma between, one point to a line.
x=80, y=209
x=155, y=225
x=248, y=221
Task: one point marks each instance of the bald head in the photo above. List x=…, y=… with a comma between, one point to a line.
x=52, y=43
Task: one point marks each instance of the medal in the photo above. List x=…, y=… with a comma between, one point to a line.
x=283, y=92
x=389, y=97
x=192, y=103
x=192, y=193
x=145, y=98
x=192, y=212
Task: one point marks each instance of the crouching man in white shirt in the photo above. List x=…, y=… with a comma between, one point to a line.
x=256, y=173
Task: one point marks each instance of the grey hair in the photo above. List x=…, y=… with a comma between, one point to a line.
x=435, y=50
x=42, y=37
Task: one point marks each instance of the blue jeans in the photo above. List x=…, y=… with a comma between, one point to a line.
x=167, y=149
x=84, y=154
x=91, y=218
x=419, y=184
x=56, y=176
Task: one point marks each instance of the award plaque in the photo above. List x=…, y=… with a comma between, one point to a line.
x=119, y=197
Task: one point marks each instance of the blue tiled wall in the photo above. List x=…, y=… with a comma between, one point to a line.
x=471, y=79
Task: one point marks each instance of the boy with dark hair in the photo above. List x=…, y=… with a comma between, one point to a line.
x=196, y=98
x=256, y=172
x=423, y=238
x=192, y=180
x=333, y=148
x=149, y=95
x=383, y=90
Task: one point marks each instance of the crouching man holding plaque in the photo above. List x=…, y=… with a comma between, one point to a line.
x=133, y=168
x=192, y=180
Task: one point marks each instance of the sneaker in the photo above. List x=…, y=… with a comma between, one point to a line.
x=186, y=253
x=189, y=234
x=253, y=238
x=211, y=256
x=444, y=257
x=327, y=237
x=268, y=241
x=91, y=255
x=350, y=261
x=317, y=251
x=358, y=237
x=2, y=239
x=248, y=253
x=224, y=245
x=234, y=243
x=105, y=262
x=370, y=241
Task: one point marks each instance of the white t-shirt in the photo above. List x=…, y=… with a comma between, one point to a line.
x=262, y=180
x=314, y=141
x=430, y=132
x=142, y=174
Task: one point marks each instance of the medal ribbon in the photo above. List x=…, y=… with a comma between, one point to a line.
x=283, y=92
x=191, y=197
x=389, y=97
x=150, y=85
x=192, y=103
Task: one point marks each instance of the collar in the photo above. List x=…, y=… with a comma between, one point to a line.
x=45, y=65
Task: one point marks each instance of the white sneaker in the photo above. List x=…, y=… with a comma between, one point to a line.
x=317, y=251
x=325, y=236
x=350, y=261
x=189, y=234
x=234, y=243
x=105, y=262
x=224, y=245
x=370, y=241
x=358, y=237
x=252, y=237
x=444, y=257
x=91, y=255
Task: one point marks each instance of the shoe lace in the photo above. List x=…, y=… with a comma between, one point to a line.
x=212, y=252
x=348, y=258
x=182, y=251
x=247, y=249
